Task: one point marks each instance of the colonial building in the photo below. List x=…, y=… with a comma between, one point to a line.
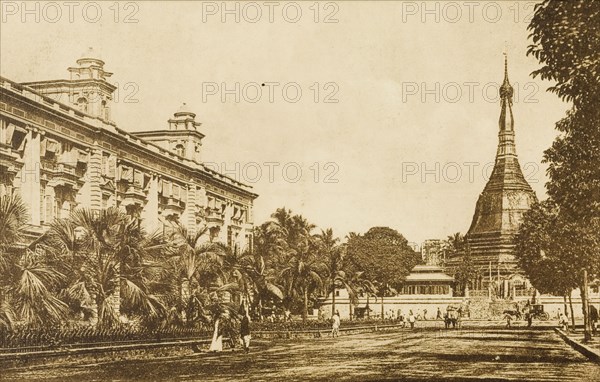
x=60, y=149
x=499, y=210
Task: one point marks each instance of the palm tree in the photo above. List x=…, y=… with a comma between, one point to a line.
x=384, y=290
x=302, y=277
x=255, y=281
x=453, y=244
x=218, y=311
x=333, y=255
x=28, y=281
x=302, y=270
x=270, y=244
x=192, y=266
x=13, y=217
x=357, y=284
x=108, y=258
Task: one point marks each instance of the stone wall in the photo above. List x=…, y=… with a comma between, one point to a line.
x=478, y=308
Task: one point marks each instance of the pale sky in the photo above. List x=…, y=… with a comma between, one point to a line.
x=384, y=62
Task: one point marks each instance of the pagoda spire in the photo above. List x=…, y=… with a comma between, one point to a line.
x=506, y=133
x=502, y=203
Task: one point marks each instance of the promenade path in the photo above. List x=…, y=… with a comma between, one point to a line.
x=426, y=354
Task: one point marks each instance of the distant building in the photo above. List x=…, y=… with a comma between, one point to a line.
x=431, y=252
x=414, y=246
x=428, y=280
x=60, y=149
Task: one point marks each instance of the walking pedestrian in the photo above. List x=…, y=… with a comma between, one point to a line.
x=508, y=319
x=216, y=344
x=411, y=319
x=335, y=326
x=563, y=322
x=425, y=314
x=245, y=332
x=594, y=319
x=528, y=314
x=438, y=315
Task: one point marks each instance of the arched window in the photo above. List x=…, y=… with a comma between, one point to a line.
x=180, y=150
x=82, y=103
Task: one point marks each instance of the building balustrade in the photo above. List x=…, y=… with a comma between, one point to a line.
x=62, y=173
x=214, y=215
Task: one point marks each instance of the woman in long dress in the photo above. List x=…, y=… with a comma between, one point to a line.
x=217, y=341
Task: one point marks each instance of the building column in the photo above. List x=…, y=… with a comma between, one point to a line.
x=188, y=218
x=149, y=213
x=94, y=178
x=29, y=185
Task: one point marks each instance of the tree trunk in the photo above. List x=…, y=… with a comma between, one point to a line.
x=382, y=316
x=565, y=303
x=333, y=301
x=572, y=314
x=350, y=310
x=260, y=310
x=587, y=328
x=368, y=307
x=305, y=310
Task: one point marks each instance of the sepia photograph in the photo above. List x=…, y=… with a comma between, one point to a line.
x=347, y=190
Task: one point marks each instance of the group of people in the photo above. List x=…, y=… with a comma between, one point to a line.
x=563, y=320
x=216, y=344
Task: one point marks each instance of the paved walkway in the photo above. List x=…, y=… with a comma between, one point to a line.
x=428, y=354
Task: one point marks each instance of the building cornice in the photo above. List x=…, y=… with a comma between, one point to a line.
x=95, y=128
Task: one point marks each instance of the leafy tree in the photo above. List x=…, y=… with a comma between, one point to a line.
x=383, y=255
x=538, y=251
x=466, y=272
x=460, y=262
x=566, y=42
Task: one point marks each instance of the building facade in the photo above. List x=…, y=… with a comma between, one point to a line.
x=60, y=149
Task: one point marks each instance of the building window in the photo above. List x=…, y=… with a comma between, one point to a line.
x=82, y=103
x=105, y=111
x=180, y=150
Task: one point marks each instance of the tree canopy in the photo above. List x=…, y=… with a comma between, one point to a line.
x=559, y=239
x=383, y=254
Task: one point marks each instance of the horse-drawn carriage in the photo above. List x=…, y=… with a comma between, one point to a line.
x=535, y=311
x=452, y=316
